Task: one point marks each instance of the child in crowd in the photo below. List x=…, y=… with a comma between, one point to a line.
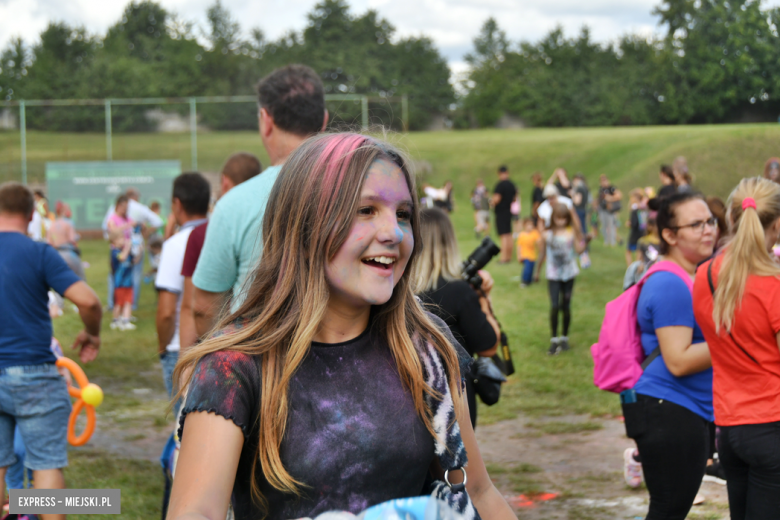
x=647, y=253
x=480, y=200
x=122, y=271
x=561, y=243
x=637, y=223
x=155, y=249
x=528, y=250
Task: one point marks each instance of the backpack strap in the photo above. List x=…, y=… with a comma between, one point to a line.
x=649, y=359
x=712, y=292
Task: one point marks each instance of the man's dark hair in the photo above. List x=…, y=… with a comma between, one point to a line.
x=503, y=169
x=122, y=198
x=16, y=199
x=40, y=194
x=667, y=172
x=241, y=166
x=294, y=98
x=193, y=191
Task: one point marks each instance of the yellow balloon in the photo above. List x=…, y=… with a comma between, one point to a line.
x=92, y=394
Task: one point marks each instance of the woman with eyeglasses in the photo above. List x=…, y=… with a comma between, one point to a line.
x=671, y=404
x=736, y=299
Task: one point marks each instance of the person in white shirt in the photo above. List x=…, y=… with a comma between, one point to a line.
x=34, y=229
x=552, y=197
x=140, y=215
x=191, y=196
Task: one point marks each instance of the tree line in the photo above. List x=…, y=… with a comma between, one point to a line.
x=151, y=52
x=718, y=61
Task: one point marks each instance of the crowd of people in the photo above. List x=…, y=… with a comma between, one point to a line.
x=315, y=312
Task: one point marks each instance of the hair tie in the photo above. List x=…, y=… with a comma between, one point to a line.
x=749, y=202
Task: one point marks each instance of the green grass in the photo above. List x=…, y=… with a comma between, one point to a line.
x=718, y=155
x=141, y=482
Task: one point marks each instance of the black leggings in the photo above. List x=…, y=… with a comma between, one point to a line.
x=674, y=445
x=750, y=456
x=560, y=300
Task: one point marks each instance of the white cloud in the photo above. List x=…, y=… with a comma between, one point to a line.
x=451, y=24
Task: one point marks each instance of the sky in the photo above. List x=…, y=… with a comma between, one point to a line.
x=452, y=24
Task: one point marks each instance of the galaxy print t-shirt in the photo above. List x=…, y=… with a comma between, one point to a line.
x=353, y=435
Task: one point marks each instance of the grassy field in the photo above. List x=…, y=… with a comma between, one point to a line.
x=718, y=156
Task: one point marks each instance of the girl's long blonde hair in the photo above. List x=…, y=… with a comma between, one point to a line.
x=746, y=253
x=308, y=217
x=440, y=257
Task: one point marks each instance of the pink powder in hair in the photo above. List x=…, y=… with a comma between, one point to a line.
x=336, y=157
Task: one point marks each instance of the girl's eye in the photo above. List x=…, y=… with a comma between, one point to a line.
x=404, y=214
x=368, y=210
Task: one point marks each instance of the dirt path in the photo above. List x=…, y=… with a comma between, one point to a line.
x=582, y=465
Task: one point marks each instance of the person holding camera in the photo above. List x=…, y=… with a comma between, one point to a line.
x=464, y=308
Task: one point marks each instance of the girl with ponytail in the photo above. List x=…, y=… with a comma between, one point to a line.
x=330, y=388
x=737, y=304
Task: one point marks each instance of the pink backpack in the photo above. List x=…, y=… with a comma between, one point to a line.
x=618, y=357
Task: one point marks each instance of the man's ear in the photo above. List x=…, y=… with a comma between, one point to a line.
x=266, y=122
x=325, y=121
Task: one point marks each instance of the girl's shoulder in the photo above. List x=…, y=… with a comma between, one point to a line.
x=232, y=328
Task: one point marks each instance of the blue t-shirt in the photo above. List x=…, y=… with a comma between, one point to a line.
x=121, y=269
x=27, y=270
x=666, y=301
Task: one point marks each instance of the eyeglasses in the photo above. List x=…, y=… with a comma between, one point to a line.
x=698, y=226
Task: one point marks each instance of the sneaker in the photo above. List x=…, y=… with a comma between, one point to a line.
x=564, y=344
x=632, y=470
x=115, y=325
x=554, y=346
x=127, y=326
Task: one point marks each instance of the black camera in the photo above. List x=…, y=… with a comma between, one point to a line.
x=483, y=254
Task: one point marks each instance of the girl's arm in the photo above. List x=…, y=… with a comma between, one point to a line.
x=206, y=469
x=680, y=356
x=486, y=498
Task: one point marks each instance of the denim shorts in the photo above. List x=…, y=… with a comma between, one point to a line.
x=34, y=397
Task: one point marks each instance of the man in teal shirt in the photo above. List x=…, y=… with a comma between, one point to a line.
x=291, y=109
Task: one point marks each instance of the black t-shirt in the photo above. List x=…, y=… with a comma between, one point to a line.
x=667, y=191
x=636, y=230
x=584, y=194
x=603, y=192
x=353, y=435
x=507, y=191
x=457, y=304
x=537, y=195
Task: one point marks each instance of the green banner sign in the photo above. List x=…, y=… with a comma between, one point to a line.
x=90, y=188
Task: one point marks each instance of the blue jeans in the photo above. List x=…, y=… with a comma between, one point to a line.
x=138, y=276
x=582, y=215
x=528, y=271
x=168, y=361
x=34, y=398
x=14, y=475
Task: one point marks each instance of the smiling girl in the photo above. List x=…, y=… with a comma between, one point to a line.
x=330, y=388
